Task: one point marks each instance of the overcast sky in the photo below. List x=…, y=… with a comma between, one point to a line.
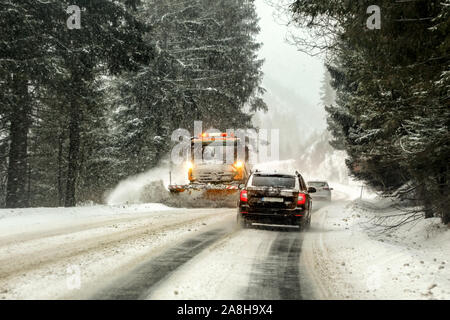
x=292, y=80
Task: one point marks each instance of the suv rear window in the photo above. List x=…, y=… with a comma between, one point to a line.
x=279, y=181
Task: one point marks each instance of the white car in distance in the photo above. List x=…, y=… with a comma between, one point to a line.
x=323, y=190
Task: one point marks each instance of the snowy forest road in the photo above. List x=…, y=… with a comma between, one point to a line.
x=152, y=251
x=221, y=263
x=225, y=262
x=168, y=254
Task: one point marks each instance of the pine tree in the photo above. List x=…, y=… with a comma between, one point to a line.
x=206, y=68
x=82, y=109
x=40, y=55
x=392, y=113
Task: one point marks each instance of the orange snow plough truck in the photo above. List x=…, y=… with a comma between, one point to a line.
x=216, y=176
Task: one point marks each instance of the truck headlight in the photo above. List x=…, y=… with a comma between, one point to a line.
x=239, y=165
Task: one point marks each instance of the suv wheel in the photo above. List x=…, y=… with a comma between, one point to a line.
x=241, y=221
x=301, y=225
x=304, y=224
x=308, y=222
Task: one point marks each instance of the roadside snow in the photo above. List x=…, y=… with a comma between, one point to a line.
x=90, y=211
x=35, y=219
x=342, y=256
x=131, y=189
x=40, y=249
x=349, y=259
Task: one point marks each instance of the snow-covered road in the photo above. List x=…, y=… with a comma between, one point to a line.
x=155, y=252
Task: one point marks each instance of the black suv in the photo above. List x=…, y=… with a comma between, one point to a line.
x=275, y=198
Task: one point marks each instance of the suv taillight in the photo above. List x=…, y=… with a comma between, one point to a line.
x=244, y=196
x=301, y=199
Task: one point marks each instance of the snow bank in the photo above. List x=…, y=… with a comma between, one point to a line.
x=351, y=259
x=23, y=220
x=131, y=189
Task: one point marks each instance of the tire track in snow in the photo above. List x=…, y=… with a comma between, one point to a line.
x=138, y=283
x=13, y=264
x=278, y=275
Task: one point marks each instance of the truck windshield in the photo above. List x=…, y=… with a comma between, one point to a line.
x=276, y=181
x=218, y=154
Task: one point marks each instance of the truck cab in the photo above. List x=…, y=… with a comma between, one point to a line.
x=219, y=162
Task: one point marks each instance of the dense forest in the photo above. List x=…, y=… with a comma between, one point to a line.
x=392, y=112
x=83, y=108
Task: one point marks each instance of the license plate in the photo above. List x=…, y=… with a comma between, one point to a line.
x=266, y=199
